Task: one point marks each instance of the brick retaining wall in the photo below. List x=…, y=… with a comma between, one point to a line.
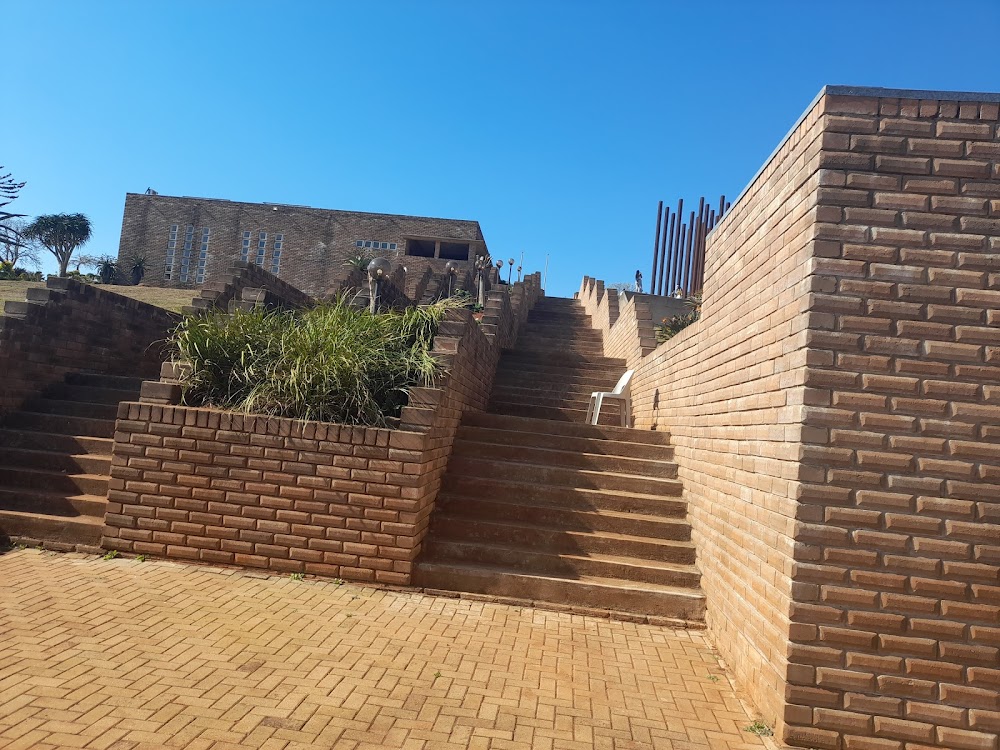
x=896, y=606
x=70, y=327
x=837, y=425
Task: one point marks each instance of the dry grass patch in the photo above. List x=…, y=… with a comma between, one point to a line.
x=168, y=299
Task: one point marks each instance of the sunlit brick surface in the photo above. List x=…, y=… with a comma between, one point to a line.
x=123, y=654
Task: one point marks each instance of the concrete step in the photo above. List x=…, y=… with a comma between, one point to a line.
x=565, y=442
x=72, y=408
x=552, y=301
x=575, y=334
x=564, y=305
x=548, y=390
x=544, y=401
x=573, y=309
x=559, y=325
x=571, y=337
x=601, y=593
x=551, y=457
x=60, y=424
x=96, y=380
x=548, y=378
x=67, y=529
x=567, y=477
x=551, y=427
x=567, y=318
x=68, y=463
x=553, y=344
x=571, y=498
x=50, y=441
x=565, y=360
x=516, y=510
x=504, y=396
x=52, y=503
x=53, y=481
x=508, y=533
x=90, y=394
x=544, y=562
x=555, y=413
x=20, y=308
x=546, y=347
x=554, y=372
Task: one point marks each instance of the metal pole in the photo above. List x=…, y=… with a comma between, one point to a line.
x=699, y=265
x=686, y=278
x=667, y=231
x=675, y=253
x=678, y=275
x=656, y=244
x=545, y=276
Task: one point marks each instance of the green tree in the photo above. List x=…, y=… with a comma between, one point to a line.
x=60, y=234
x=10, y=231
x=14, y=247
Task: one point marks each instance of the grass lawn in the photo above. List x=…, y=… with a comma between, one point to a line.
x=168, y=299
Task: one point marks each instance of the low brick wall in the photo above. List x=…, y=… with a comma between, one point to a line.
x=290, y=495
x=273, y=493
x=628, y=321
x=70, y=327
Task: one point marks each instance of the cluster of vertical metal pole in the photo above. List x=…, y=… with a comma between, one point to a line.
x=679, y=249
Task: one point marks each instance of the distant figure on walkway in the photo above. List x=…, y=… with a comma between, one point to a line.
x=638, y=282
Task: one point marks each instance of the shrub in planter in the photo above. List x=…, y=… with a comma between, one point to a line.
x=331, y=363
x=670, y=327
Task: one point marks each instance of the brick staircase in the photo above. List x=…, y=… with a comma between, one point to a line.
x=55, y=461
x=538, y=505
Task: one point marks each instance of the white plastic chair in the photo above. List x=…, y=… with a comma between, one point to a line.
x=621, y=394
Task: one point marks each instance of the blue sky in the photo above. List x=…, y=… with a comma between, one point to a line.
x=557, y=125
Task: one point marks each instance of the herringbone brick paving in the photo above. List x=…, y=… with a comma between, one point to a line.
x=125, y=654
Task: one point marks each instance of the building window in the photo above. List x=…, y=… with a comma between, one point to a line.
x=421, y=248
x=186, y=255
x=454, y=251
x=203, y=256
x=261, y=248
x=245, y=249
x=168, y=270
x=279, y=243
x=375, y=244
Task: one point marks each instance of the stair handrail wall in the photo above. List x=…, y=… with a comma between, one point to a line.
x=219, y=295
x=69, y=326
x=469, y=352
x=628, y=326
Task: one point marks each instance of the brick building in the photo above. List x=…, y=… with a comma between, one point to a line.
x=187, y=241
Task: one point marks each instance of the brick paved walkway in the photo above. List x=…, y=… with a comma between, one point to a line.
x=128, y=654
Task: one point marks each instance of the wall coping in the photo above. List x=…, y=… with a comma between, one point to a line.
x=889, y=93
x=872, y=92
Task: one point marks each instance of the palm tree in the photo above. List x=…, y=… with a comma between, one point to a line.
x=60, y=234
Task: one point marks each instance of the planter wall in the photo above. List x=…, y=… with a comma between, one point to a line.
x=297, y=496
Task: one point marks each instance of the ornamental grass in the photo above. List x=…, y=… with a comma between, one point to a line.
x=331, y=363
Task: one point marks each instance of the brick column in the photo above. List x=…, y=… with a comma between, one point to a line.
x=895, y=618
